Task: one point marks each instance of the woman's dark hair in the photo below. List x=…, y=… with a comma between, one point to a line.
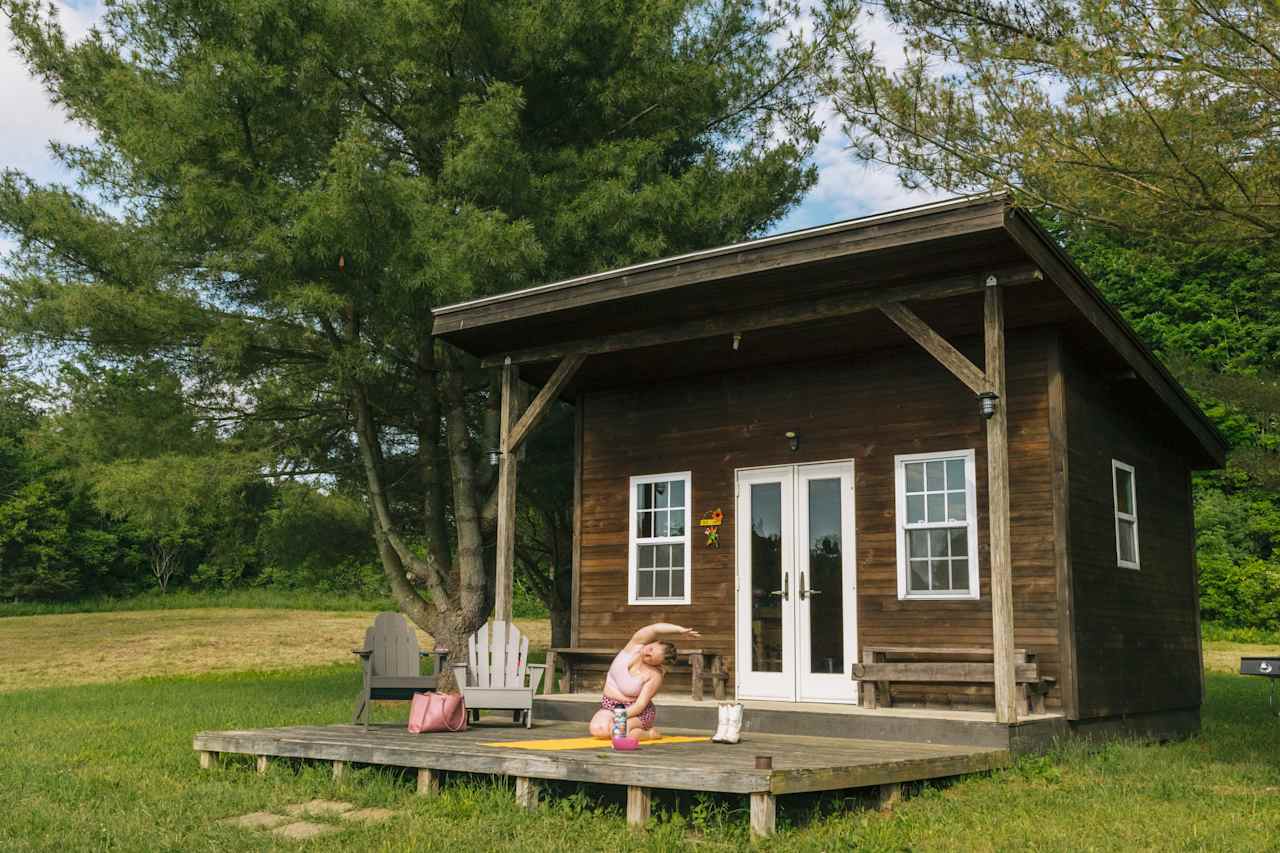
x=668, y=652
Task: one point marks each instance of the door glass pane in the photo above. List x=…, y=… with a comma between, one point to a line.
x=766, y=577
x=825, y=578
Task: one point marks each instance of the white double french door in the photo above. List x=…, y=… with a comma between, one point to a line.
x=796, y=598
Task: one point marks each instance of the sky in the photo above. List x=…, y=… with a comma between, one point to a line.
x=846, y=187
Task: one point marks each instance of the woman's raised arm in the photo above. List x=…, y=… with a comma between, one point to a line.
x=658, y=630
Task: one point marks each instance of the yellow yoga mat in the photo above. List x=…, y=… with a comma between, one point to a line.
x=588, y=742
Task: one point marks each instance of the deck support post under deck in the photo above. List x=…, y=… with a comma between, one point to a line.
x=998, y=509
x=764, y=814
x=208, y=760
x=428, y=782
x=340, y=769
x=639, y=803
x=526, y=793
x=263, y=762
x=888, y=796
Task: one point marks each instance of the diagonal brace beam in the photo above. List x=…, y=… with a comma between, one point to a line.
x=937, y=346
x=542, y=402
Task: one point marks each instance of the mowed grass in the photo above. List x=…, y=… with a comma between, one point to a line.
x=95, y=648
x=110, y=767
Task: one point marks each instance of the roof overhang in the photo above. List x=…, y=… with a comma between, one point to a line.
x=811, y=294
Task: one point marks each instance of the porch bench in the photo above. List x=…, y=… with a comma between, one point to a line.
x=700, y=664
x=881, y=666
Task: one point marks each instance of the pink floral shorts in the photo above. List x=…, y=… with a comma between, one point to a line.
x=646, y=718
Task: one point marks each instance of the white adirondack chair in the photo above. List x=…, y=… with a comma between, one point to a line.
x=498, y=675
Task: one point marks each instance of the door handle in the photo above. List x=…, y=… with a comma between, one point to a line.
x=785, y=592
x=805, y=592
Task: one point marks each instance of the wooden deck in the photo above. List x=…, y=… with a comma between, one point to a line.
x=795, y=764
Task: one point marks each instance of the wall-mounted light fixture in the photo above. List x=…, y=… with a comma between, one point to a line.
x=987, y=403
x=737, y=341
x=495, y=456
x=794, y=438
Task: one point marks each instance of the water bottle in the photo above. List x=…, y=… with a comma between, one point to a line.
x=620, y=722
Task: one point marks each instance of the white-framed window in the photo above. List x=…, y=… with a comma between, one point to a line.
x=937, y=525
x=1124, y=486
x=660, y=547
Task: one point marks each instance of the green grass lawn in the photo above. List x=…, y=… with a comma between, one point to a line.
x=110, y=767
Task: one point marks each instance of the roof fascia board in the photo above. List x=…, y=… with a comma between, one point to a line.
x=957, y=216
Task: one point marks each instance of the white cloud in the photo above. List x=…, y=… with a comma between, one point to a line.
x=31, y=120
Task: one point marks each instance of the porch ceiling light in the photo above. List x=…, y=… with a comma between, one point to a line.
x=987, y=403
x=495, y=456
x=794, y=438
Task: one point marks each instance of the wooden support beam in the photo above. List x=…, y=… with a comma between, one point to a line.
x=575, y=549
x=764, y=814
x=1061, y=479
x=428, y=782
x=507, y=464
x=526, y=792
x=639, y=805
x=208, y=760
x=1006, y=701
x=263, y=762
x=936, y=345
x=542, y=402
x=340, y=769
x=864, y=299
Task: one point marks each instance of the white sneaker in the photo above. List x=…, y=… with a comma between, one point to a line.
x=723, y=725
x=733, y=730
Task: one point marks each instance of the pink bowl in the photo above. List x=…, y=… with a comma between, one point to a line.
x=626, y=744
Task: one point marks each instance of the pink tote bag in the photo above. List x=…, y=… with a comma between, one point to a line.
x=437, y=712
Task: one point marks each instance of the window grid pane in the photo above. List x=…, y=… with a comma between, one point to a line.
x=661, y=534
x=937, y=525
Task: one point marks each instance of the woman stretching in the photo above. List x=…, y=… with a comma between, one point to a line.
x=634, y=677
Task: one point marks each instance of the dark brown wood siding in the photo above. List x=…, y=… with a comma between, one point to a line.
x=1135, y=631
x=869, y=409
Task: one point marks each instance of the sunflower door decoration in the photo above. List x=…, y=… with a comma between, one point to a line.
x=710, y=524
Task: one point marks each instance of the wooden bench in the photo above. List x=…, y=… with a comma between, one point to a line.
x=699, y=663
x=883, y=665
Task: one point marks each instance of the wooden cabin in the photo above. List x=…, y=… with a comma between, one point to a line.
x=918, y=431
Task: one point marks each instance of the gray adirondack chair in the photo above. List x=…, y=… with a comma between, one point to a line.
x=498, y=675
x=392, y=664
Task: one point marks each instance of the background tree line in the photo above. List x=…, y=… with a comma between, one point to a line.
x=240, y=280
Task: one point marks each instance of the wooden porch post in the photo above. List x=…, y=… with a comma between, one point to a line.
x=506, y=550
x=516, y=427
x=998, y=509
